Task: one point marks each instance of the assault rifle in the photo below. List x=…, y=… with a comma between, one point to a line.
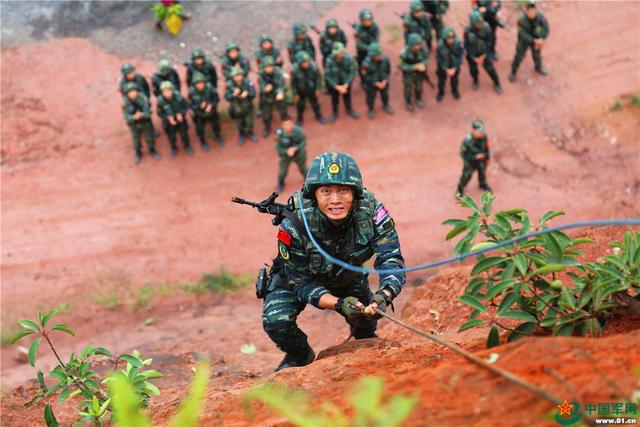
x=316, y=29
x=269, y=206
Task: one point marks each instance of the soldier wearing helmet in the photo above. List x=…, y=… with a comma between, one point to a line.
x=272, y=92
x=266, y=48
x=291, y=146
x=338, y=76
x=129, y=75
x=477, y=43
x=203, y=101
x=350, y=224
x=201, y=64
x=305, y=85
x=449, y=57
x=376, y=69
x=233, y=57
x=240, y=93
x=137, y=114
x=475, y=156
x=301, y=42
x=166, y=72
x=436, y=10
x=533, y=29
x=413, y=63
x=489, y=10
x=172, y=109
x=366, y=32
x=332, y=33
x=417, y=22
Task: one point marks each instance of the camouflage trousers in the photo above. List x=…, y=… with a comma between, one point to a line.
x=282, y=307
x=442, y=80
x=412, y=86
x=521, y=51
x=467, y=171
x=201, y=121
x=243, y=119
x=173, y=130
x=142, y=129
x=266, y=107
x=487, y=64
x=371, y=95
x=300, y=159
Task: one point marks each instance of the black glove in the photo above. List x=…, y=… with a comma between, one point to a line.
x=348, y=308
x=383, y=301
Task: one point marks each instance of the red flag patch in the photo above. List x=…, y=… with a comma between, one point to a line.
x=284, y=237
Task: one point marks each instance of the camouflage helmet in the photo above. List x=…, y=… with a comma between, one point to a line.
x=416, y=6
x=374, y=49
x=478, y=124
x=337, y=48
x=235, y=70
x=264, y=38
x=167, y=85
x=127, y=68
x=475, y=17
x=331, y=23
x=303, y=56
x=128, y=87
x=448, y=33
x=164, y=66
x=232, y=45
x=531, y=4
x=332, y=168
x=198, y=77
x=197, y=53
x=299, y=29
x=365, y=14
x=266, y=61
x=414, y=39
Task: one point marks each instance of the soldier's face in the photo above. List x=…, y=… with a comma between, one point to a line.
x=332, y=30
x=266, y=45
x=200, y=86
x=233, y=53
x=300, y=37
x=416, y=47
x=450, y=41
x=366, y=22
x=238, y=79
x=304, y=65
x=130, y=76
x=418, y=13
x=531, y=13
x=340, y=56
x=269, y=69
x=377, y=58
x=335, y=202
x=167, y=93
x=477, y=134
x=287, y=126
x=198, y=62
x=478, y=25
x=132, y=94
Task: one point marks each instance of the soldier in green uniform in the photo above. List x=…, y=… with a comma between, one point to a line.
x=201, y=64
x=339, y=75
x=272, y=92
x=172, y=109
x=291, y=145
x=413, y=63
x=165, y=73
x=477, y=43
x=240, y=94
x=305, y=85
x=417, y=22
x=129, y=75
x=266, y=48
x=332, y=33
x=475, y=154
x=436, y=10
x=489, y=10
x=301, y=42
x=203, y=100
x=449, y=57
x=366, y=32
x=376, y=69
x=138, y=117
x=350, y=224
x=533, y=29
x=234, y=58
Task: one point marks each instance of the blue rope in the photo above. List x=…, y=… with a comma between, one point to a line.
x=359, y=269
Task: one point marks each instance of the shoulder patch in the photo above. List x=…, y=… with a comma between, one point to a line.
x=380, y=214
x=284, y=237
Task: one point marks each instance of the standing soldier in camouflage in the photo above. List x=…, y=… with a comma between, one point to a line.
x=489, y=10
x=475, y=154
x=533, y=29
x=138, y=117
x=266, y=48
x=301, y=42
x=305, y=85
x=291, y=145
x=165, y=73
x=129, y=75
x=234, y=58
x=413, y=63
x=332, y=33
x=367, y=32
x=339, y=75
x=417, y=22
x=172, y=109
x=201, y=64
x=376, y=69
x=240, y=93
x=203, y=100
x=436, y=10
x=449, y=57
x=351, y=225
x=477, y=42
x=272, y=92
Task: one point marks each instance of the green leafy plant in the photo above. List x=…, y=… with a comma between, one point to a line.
x=369, y=408
x=77, y=377
x=222, y=282
x=617, y=105
x=520, y=283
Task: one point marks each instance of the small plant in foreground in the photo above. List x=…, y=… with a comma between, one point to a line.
x=521, y=281
x=367, y=402
x=76, y=377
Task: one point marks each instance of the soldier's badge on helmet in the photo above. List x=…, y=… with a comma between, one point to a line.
x=334, y=168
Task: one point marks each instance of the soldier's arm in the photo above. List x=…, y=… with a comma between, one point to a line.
x=465, y=153
x=189, y=76
x=311, y=48
x=128, y=114
x=294, y=89
x=404, y=66
x=280, y=83
x=251, y=89
x=184, y=107
x=523, y=34
x=386, y=69
x=318, y=83
x=145, y=110
x=279, y=148
x=145, y=87
x=228, y=93
x=328, y=74
x=457, y=63
x=545, y=27
x=444, y=7
x=194, y=100
x=246, y=67
x=386, y=246
x=342, y=37
x=352, y=71
x=176, y=80
x=301, y=139
x=214, y=76
x=376, y=32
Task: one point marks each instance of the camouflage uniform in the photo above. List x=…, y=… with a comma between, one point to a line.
x=207, y=69
x=449, y=56
x=411, y=77
x=364, y=37
x=368, y=231
x=327, y=40
x=304, y=45
x=376, y=71
x=241, y=109
x=240, y=61
x=165, y=73
x=528, y=30
x=477, y=42
x=413, y=25
x=340, y=71
x=283, y=143
x=305, y=83
x=141, y=127
x=490, y=16
x=138, y=79
x=469, y=149
x=436, y=9
x=268, y=99
x=209, y=97
x=171, y=108
x=274, y=52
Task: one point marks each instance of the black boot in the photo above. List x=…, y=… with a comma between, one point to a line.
x=189, y=150
x=387, y=109
x=486, y=188
x=174, y=151
x=252, y=136
x=475, y=85
x=298, y=360
x=541, y=70
x=321, y=119
x=420, y=103
x=409, y=106
x=279, y=187
x=219, y=140
x=299, y=120
x=512, y=76
x=354, y=114
x=440, y=96
x=154, y=154
x=205, y=147
x=266, y=131
x=137, y=157
x=332, y=118
x=456, y=94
